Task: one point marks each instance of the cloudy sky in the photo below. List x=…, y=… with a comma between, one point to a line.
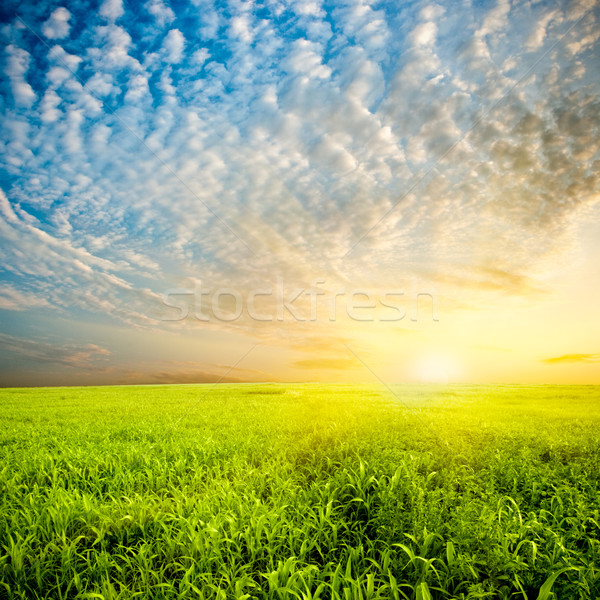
x=299, y=190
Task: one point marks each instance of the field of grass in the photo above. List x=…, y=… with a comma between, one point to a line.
x=300, y=491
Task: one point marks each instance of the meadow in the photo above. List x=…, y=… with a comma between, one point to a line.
x=300, y=491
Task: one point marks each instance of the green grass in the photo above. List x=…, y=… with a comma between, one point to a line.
x=300, y=491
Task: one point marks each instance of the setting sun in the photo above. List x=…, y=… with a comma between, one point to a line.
x=437, y=368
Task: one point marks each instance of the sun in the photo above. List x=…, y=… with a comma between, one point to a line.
x=437, y=368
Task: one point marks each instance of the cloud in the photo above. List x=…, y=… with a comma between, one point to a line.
x=57, y=26
x=58, y=56
x=424, y=34
x=432, y=11
x=75, y=356
x=16, y=66
x=14, y=299
x=301, y=130
x=306, y=58
x=496, y=19
x=160, y=11
x=113, y=50
x=489, y=278
x=173, y=45
x=112, y=9
x=241, y=29
x=7, y=210
x=311, y=8
x=538, y=34
x=327, y=364
x=573, y=358
x=189, y=372
x=369, y=27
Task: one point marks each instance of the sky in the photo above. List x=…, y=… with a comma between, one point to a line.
x=302, y=190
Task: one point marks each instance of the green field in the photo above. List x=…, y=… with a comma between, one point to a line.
x=300, y=491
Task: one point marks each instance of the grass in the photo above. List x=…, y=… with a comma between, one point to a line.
x=300, y=492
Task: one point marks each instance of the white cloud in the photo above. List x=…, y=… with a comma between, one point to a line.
x=306, y=58
x=208, y=18
x=71, y=139
x=496, y=19
x=424, y=34
x=577, y=8
x=311, y=8
x=49, y=107
x=137, y=88
x=333, y=155
x=361, y=78
x=161, y=11
x=584, y=38
x=240, y=28
x=13, y=299
x=7, y=211
x=368, y=26
x=432, y=11
x=17, y=65
x=112, y=9
x=101, y=84
x=57, y=76
x=57, y=26
x=476, y=54
x=538, y=34
x=113, y=52
x=173, y=46
x=200, y=56
x=58, y=55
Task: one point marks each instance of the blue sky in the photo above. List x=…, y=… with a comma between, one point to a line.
x=448, y=149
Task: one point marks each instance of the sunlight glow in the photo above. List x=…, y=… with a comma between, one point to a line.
x=437, y=368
